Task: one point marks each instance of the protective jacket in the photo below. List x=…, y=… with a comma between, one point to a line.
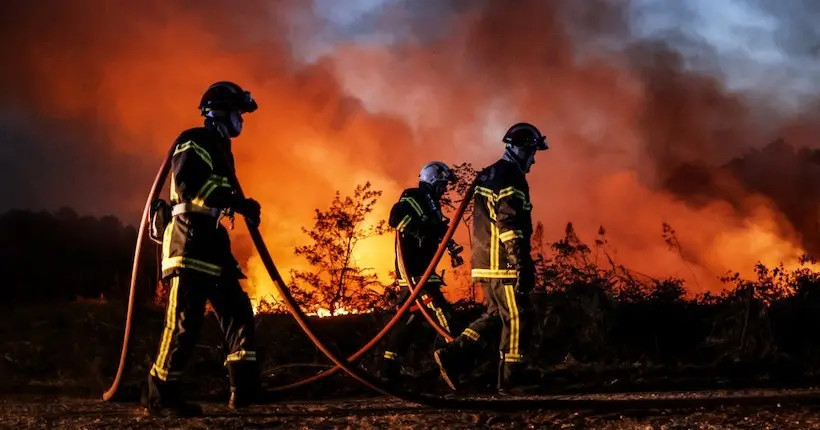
x=194, y=239
x=418, y=219
x=502, y=223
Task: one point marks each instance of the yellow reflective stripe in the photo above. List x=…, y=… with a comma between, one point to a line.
x=208, y=187
x=404, y=221
x=471, y=334
x=241, y=355
x=510, y=358
x=174, y=193
x=494, y=274
x=414, y=204
x=495, y=250
x=160, y=364
x=203, y=154
x=494, y=197
x=164, y=375
x=510, y=235
x=391, y=355
x=512, y=307
x=511, y=191
x=220, y=181
x=442, y=319
x=167, y=236
x=191, y=263
x=486, y=192
x=415, y=279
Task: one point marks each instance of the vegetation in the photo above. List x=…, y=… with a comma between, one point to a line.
x=592, y=313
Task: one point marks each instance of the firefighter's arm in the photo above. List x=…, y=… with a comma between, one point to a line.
x=405, y=217
x=509, y=220
x=193, y=173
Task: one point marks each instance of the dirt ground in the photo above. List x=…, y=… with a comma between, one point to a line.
x=85, y=413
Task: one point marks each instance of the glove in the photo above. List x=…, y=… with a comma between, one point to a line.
x=518, y=259
x=454, y=250
x=250, y=209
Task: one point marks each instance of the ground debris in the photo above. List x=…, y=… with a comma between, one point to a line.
x=376, y=413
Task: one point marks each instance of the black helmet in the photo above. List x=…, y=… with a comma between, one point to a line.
x=525, y=135
x=227, y=96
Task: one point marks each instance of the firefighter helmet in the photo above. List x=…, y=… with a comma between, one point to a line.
x=523, y=140
x=437, y=175
x=525, y=135
x=226, y=96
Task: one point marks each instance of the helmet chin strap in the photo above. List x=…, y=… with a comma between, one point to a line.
x=523, y=165
x=220, y=124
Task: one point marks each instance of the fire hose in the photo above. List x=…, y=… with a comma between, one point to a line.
x=443, y=332
x=159, y=180
x=415, y=291
x=302, y=320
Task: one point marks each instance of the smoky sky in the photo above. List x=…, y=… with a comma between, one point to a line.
x=98, y=90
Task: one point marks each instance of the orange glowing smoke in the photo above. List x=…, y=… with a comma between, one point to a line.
x=133, y=75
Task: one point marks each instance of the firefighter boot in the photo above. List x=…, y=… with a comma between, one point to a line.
x=390, y=370
x=164, y=399
x=245, y=387
x=514, y=379
x=448, y=360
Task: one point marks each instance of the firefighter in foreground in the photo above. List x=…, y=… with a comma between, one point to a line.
x=197, y=259
x=418, y=219
x=501, y=263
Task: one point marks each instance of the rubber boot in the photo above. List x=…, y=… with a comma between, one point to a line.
x=245, y=388
x=448, y=359
x=514, y=379
x=164, y=399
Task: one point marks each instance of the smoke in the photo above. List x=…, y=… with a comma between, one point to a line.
x=626, y=107
x=98, y=92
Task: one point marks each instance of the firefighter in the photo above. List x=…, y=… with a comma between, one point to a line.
x=420, y=224
x=197, y=260
x=501, y=263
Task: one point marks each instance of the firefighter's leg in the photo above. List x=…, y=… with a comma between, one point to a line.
x=452, y=358
x=515, y=318
x=183, y=321
x=398, y=343
x=235, y=314
x=441, y=311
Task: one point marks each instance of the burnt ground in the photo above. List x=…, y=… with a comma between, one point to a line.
x=56, y=360
x=381, y=412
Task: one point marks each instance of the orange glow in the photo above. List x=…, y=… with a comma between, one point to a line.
x=138, y=84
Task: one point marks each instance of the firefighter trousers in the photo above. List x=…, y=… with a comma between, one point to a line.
x=400, y=337
x=189, y=291
x=508, y=311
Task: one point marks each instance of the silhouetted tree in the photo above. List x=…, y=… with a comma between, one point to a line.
x=337, y=281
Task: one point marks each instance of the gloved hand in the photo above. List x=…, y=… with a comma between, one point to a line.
x=455, y=250
x=250, y=209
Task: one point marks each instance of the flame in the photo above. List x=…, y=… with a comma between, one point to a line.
x=325, y=312
x=369, y=112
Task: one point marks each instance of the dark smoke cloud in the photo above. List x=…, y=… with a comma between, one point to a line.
x=628, y=117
